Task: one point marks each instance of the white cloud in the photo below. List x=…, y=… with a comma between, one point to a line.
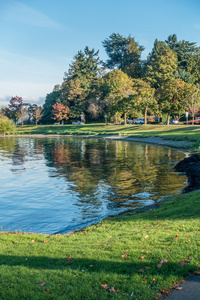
x=25, y=14
x=24, y=90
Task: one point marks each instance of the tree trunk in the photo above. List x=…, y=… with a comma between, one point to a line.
x=145, y=115
x=125, y=118
x=192, y=116
x=168, y=118
x=116, y=121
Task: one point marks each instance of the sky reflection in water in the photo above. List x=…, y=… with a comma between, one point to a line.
x=52, y=185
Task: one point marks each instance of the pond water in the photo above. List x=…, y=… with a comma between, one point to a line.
x=55, y=185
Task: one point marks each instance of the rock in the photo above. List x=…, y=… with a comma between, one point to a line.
x=191, y=167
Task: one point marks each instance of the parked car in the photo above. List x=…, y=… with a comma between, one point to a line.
x=128, y=122
x=140, y=121
x=78, y=123
x=196, y=120
x=172, y=122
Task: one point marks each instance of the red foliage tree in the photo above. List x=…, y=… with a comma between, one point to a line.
x=13, y=111
x=60, y=112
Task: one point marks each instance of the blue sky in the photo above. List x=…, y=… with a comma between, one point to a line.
x=39, y=38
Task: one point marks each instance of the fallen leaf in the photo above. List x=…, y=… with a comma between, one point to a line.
x=148, y=268
x=181, y=263
x=159, y=265
x=164, y=292
x=47, y=290
x=43, y=241
x=167, y=249
x=197, y=272
x=42, y=283
x=164, y=261
x=33, y=241
x=69, y=258
x=141, y=271
x=179, y=288
x=113, y=290
x=104, y=286
x=125, y=255
x=187, y=259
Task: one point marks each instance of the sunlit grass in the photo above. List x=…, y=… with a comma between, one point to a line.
x=178, y=131
x=76, y=266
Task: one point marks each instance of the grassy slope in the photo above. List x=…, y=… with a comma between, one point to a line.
x=172, y=232
x=171, y=131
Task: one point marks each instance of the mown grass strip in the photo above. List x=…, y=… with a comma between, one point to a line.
x=177, y=132
x=122, y=253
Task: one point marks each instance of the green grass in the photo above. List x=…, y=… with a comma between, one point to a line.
x=171, y=232
x=178, y=132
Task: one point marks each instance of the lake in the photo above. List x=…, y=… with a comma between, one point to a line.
x=56, y=185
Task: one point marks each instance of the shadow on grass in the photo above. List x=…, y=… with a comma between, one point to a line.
x=94, y=265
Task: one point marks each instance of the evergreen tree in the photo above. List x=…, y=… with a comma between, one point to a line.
x=81, y=82
x=161, y=64
x=188, y=56
x=50, y=100
x=124, y=53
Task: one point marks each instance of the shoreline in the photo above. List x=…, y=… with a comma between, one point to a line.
x=153, y=140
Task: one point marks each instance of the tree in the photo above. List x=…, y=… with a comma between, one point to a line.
x=51, y=99
x=81, y=82
x=23, y=114
x=60, y=112
x=161, y=64
x=188, y=57
x=172, y=97
x=116, y=91
x=124, y=53
x=15, y=106
x=37, y=114
x=194, y=101
x=144, y=96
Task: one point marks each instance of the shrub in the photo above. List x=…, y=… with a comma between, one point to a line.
x=6, y=125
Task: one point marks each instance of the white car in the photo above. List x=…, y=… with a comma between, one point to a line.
x=78, y=123
x=175, y=122
x=140, y=121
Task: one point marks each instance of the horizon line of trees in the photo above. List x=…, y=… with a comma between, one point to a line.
x=166, y=83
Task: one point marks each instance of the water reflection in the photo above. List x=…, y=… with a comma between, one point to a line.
x=58, y=184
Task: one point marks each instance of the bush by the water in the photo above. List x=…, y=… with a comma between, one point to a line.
x=6, y=125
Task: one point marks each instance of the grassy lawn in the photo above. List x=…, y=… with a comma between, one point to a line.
x=178, y=132
x=123, y=253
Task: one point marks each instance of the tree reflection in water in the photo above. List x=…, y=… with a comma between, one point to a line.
x=86, y=178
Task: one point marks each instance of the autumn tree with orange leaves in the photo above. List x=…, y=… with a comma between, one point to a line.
x=60, y=112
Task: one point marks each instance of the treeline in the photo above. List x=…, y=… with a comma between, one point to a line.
x=125, y=86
